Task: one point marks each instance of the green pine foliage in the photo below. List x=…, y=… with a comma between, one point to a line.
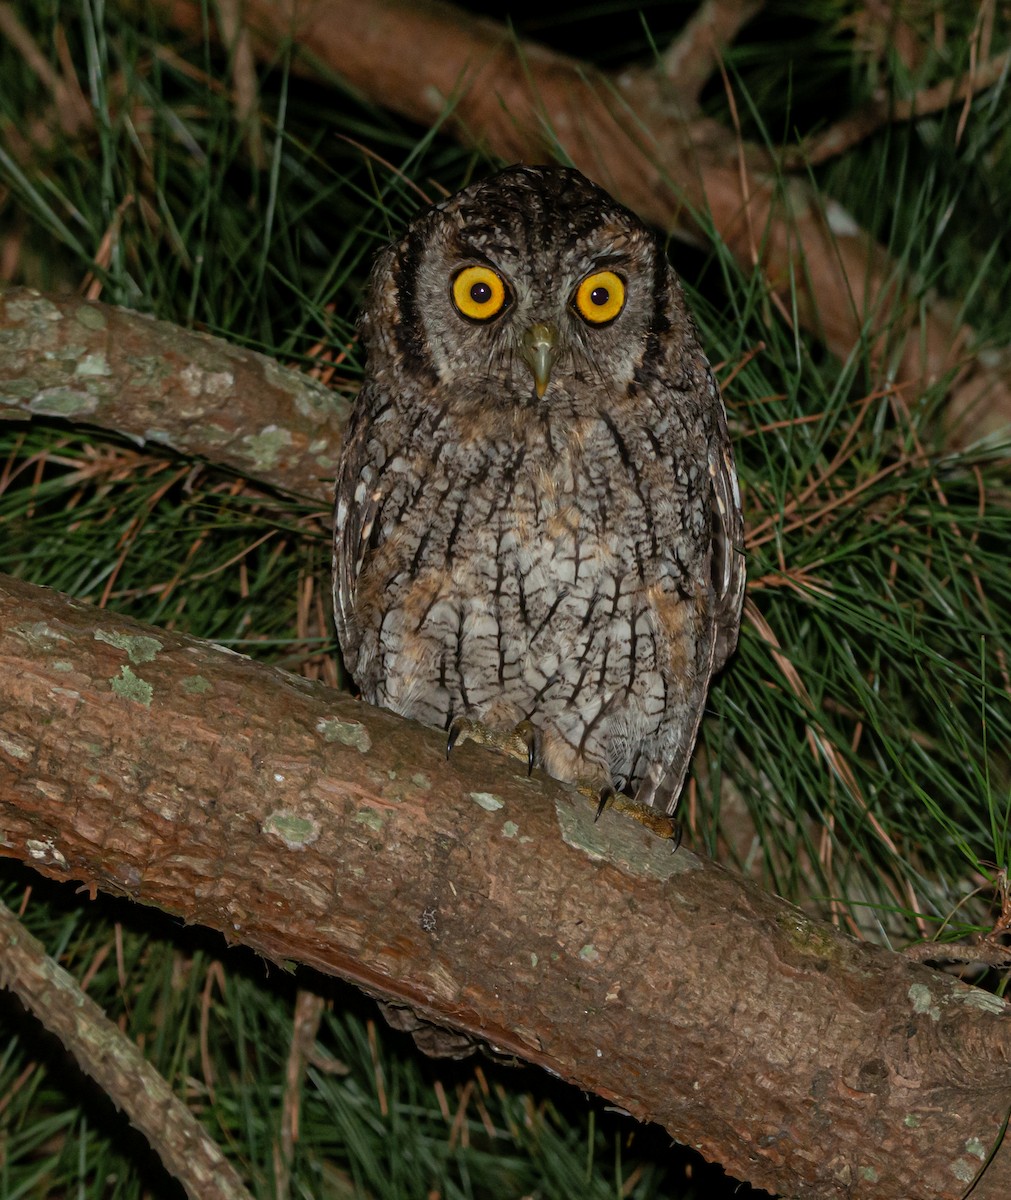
x=856, y=753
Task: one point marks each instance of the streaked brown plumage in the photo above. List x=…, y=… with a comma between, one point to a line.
x=537, y=511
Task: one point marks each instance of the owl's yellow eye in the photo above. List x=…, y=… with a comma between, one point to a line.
x=600, y=297
x=479, y=293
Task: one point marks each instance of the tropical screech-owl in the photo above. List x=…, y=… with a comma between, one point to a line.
x=538, y=524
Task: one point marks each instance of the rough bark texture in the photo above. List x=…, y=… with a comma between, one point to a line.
x=637, y=133
x=314, y=828
x=94, y=364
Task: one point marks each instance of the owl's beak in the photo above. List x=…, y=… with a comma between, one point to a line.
x=539, y=351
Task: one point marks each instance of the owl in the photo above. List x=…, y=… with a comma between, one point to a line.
x=538, y=528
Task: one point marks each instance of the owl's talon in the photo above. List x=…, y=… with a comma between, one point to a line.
x=455, y=729
x=607, y=794
x=519, y=742
x=656, y=822
x=524, y=734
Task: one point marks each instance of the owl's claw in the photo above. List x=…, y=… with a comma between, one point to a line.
x=656, y=822
x=607, y=794
x=519, y=742
x=455, y=730
x=524, y=733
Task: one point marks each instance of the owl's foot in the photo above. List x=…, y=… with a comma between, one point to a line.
x=519, y=742
x=656, y=822
x=606, y=797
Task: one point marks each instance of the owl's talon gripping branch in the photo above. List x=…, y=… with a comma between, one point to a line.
x=524, y=732
x=457, y=731
x=657, y=822
x=607, y=794
x=519, y=742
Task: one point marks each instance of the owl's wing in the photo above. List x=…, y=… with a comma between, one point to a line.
x=661, y=785
x=357, y=502
x=728, y=569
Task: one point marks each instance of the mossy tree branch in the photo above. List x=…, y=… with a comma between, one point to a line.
x=314, y=828
x=102, y=1050
x=97, y=365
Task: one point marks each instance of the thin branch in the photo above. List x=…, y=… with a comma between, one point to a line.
x=106, y=1054
x=71, y=108
x=983, y=953
x=94, y=364
x=860, y=125
x=695, y=53
x=247, y=114
x=317, y=829
x=308, y=1013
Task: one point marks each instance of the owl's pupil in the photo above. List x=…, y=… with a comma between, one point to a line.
x=600, y=296
x=480, y=293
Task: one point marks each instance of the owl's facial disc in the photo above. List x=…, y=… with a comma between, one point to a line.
x=539, y=349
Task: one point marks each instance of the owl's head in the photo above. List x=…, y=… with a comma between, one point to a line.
x=522, y=286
